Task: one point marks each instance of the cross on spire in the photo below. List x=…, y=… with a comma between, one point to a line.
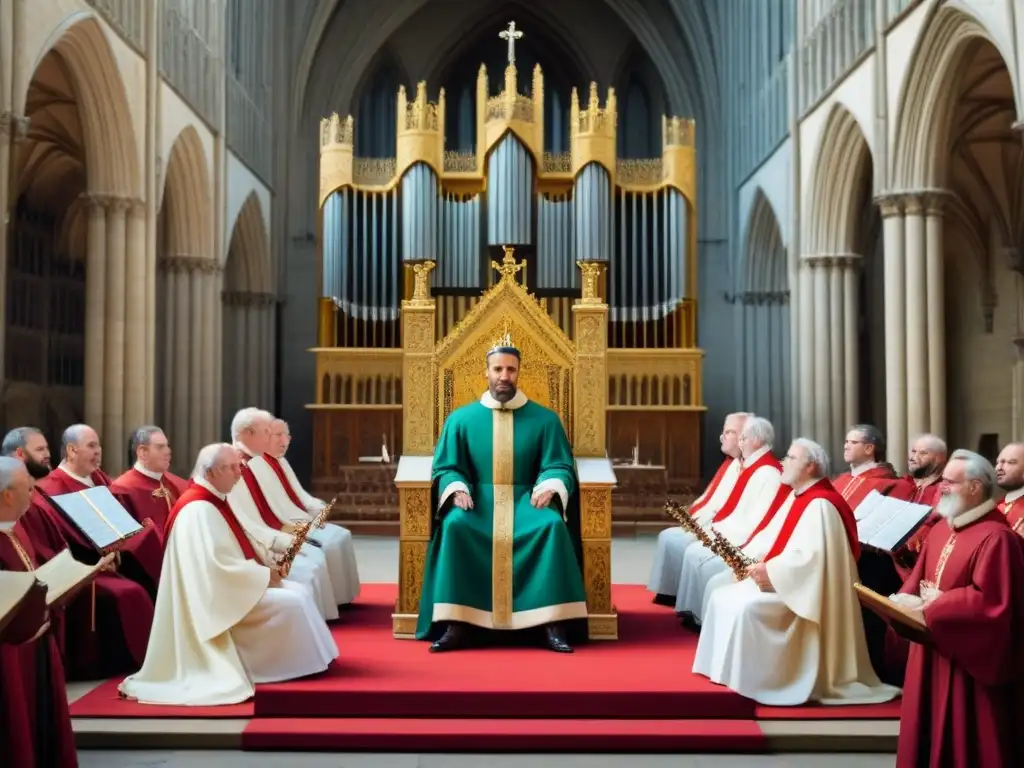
x=511, y=35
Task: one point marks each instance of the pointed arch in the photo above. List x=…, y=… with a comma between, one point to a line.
x=924, y=120
x=248, y=267
x=765, y=249
x=187, y=204
x=111, y=146
x=843, y=163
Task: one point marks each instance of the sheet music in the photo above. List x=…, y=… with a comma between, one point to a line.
x=867, y=506
x=62, y=574
x=98, y=515
x=14, y=585
x=889, y=522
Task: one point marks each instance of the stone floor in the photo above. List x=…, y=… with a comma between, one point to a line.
x=378, y=562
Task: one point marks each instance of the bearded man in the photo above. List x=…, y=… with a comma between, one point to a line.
x=502, y=556
x=963, y=701
x=1010, y=476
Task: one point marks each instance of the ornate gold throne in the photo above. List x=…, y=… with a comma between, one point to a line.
x=570, y=378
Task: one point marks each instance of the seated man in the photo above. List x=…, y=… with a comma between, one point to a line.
x=290, y=502
x=748, y=503
x=791, y=632
x=148, y=490
x=250, y=431
x=225, y=621
x=35, y=728
x=864, y=451
x=1010, y=477
x=502, y=556
x=673, y=542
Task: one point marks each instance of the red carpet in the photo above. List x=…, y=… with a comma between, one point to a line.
x=382, y=694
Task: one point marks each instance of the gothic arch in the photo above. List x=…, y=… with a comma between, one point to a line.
x=248, y=266
x=187, y=203
x=923, y=127
x=111, y=149
x=765, y=249
x=842, y=164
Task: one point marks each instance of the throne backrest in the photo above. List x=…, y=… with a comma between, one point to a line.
x=548, y=355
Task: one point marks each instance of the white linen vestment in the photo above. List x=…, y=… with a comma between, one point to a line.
x=336, y=541
x=309, y=568
x=672, y=542
x=218, y=629
x=699, y=563
x=803, y=642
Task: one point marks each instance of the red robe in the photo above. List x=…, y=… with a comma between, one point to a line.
x=963, y=700
x=124, y=610
x=880, y=478
x=1013, y=511
x=35, y=727
x=907, y=489
x=146, y=498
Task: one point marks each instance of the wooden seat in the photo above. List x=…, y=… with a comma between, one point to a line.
x=568, y=378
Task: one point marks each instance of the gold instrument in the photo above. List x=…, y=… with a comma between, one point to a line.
x=715, y=543
x=302, y=532
x=687, y=523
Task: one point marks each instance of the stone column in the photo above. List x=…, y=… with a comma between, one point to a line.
x=821, y=392
x=936, y=313
x=805, y=351
x=895, y=330
x=271, y=341
x=113, y=431
x=95, y=307
x=140, y=378
x=837, y=356
x=253, y=390
x=205, y=349
x=851, y=333
x=13, y=129
x=917, y=319
x=198, y=323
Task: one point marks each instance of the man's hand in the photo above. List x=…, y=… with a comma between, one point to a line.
x=289, y=528
x=542, y=499
x=31, y=618
x=275, y=578
x=108, y=563
x=462, y=500
x=759, y=573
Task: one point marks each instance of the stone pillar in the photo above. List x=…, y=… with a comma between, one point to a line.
x=936, y=302
x=13, y=129
x=895, y=331
x=916, y=319
x=851, y=348
x=205, y=349
x=95, y=307
x=805, y=350
x=140, y=378
x=113, y=431
x=837, y=356
x=821, y=393
x=253, y=390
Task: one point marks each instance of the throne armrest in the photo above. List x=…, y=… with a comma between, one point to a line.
x=596, y=472
x=414, y=471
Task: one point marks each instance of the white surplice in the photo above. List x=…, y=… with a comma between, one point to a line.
x=309, y=567
x=673, y=542
x=218, y=629
x=699, y=563
x=804, y=641
x=334, y=540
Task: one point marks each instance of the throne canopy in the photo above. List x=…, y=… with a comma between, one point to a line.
x=548, y=356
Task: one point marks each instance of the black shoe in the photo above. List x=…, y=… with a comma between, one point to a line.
x=555, y=641
x=454, y=638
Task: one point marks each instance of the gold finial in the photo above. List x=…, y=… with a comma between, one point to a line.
x=508, y=267
x=421, y=285
x=591, y=271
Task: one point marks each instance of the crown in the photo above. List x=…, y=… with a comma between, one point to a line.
x=504, y=343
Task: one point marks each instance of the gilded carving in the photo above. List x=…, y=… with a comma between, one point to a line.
x=603, y=626
x=415, y=513
x=591, y=336
x=595, y=512
x=421, y=284
x=591, y=271
x=597, y=569
x=418, y=331
x=413, y=559
x=417, y=421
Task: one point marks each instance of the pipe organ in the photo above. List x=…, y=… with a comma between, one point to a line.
x=457, y=210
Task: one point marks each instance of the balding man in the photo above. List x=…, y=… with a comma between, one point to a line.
x=864, y=451
x=149, y=489
x=672, y=542
x=1010, y=477
x=227, y=619
x=107, y=627
x=790, y=632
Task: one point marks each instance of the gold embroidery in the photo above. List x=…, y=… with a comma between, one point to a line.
x=25, y=559
x=163, y=493
x=853, y=485
x=503, y=447
x=940, y=565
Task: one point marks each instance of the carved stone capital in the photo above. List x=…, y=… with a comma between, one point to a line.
x=913, y=204
x=137, y=207
x=175, y=264
x=119, y=206
x=96, y=204
x=890, y=204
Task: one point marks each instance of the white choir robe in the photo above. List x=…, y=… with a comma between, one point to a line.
x=218, y=629
x=309, y=567
x=335, y=541
x=699, y=562
x=805, y=641
x=673, y=542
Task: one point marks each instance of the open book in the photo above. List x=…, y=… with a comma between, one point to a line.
x=906, y=622
x=63, y=575
x=14, y=588
x=99, y=516
x=886, y=523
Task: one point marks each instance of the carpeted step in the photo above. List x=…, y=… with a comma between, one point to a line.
x=511, y=735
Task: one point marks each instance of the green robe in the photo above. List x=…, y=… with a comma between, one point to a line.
x=503, y=564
